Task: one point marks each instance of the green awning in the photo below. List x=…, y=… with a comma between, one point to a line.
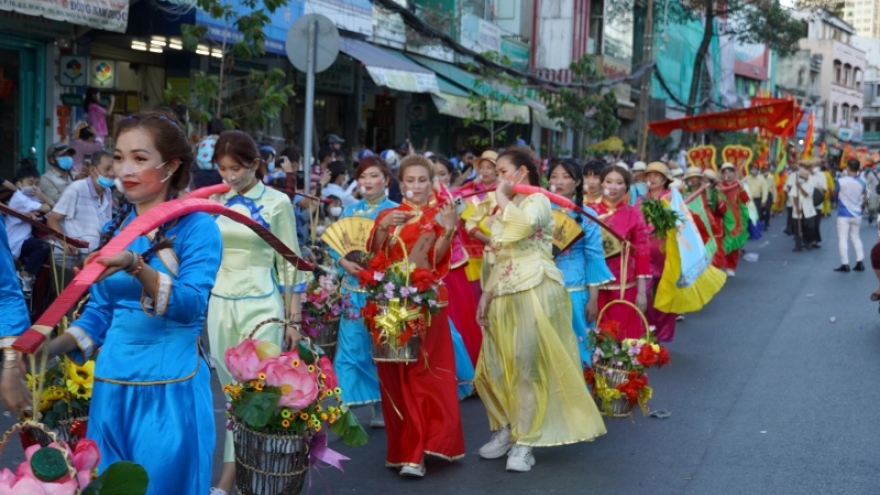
x=514, y=110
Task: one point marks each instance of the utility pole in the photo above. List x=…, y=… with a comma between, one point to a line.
x=645, y=91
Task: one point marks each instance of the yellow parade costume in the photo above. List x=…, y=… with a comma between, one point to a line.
x=528, y=374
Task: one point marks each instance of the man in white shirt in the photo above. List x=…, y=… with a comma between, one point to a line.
x=820, y=183
x=803, y=212
x=851, y=193
x=28, y=200
x=83, y=210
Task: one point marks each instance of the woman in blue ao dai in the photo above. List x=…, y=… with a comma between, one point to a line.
x=151, y=402
x=353, y=362
x=583, y=263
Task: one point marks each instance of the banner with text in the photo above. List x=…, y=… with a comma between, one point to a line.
x=775, y=118
x=110, y=15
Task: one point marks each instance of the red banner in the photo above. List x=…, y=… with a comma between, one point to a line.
x=775, y=118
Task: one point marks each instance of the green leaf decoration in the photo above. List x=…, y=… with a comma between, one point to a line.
x=48, y=464
x=121, y=478
x=305, y=353
x=350, y=430
x=256, y=408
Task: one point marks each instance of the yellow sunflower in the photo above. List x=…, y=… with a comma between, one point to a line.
x=80, y=379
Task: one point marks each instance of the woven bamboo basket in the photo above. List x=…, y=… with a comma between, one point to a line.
x=269, y=463
x=387, y=352
x=620, y=408
x=35, y=426
x=62, y=427
x=325, y=336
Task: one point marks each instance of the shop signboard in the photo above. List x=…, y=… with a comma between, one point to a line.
x=72, y=99
x=480, y=35
x=102, y=73
x=109, y=15
x=73, y=71
x=339, y=78
x=275, y=31
x=517, y=52
x=351, y=15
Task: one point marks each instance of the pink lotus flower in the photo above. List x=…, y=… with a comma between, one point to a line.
x=85, y=459
x=24, y=481
x=299, y=388
x=242, y=361
x=331, y=381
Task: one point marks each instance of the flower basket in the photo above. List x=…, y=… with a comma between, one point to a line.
x=401, y=300
x=323, y=306
x=269, y=462
x=617, y=378
x=607, y=380
x=279, y=404
x=69, y=426
x=324, y=335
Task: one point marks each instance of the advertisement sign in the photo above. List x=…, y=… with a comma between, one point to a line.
x=109, y=15
x=102, y=73
x=73, y=71
x=517, y=52
x=275, y=31
x=14, y=21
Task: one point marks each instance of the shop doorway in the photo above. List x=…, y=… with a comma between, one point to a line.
x=22, y=101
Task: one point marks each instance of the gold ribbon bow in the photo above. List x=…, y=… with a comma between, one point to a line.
x=391, y=322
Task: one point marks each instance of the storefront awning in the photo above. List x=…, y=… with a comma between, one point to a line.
x=513, y=109
x=541, y=118
x=389, y=69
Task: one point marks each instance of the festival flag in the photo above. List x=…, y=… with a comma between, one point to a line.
x=781, y=155
x=822, y=149
x=844, y=155
x=808, y=140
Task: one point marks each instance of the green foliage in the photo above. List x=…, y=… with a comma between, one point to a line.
x=260, y=96
x=589, y=113
x=255, y=409
x=350, y=430
x=121, y=478
x=659, y=216
x=486, y=104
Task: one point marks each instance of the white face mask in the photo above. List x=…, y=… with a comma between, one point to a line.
x=409, y=195
x=335, y=211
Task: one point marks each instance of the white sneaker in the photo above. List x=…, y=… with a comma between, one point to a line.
x=217, y=491
x=378, y=420
x=731, y=273
x=520, y=459
x=679, y=318
x=413, y=471
x=498, y=445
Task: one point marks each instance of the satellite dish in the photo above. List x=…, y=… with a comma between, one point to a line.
x=326, y=42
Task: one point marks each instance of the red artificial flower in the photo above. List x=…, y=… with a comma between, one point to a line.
x=647, y=356
x=663, y=358
x=379, y=262
x=590, y=377
x=422, y=279
x=365, y=278
x=610, y=328
x=632, y=386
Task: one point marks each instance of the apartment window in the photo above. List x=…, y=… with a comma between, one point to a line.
x=844, y=114
x=857, y=78
x=847, y=75
x=855, y=114
x=834, y=113
x=838, y=69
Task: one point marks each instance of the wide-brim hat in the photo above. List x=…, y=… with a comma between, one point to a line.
x=728, y=165
x=692, y=172
x=639, y=166
x=660, y=168
x=60, y=149
x=488, y=155
x=711, y=175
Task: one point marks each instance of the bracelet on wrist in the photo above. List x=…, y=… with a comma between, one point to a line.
x=9, y=355
x=138, y=266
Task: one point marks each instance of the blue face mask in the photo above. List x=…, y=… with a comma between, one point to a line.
x=271, y=166
x=106, y=182
x=64, y=162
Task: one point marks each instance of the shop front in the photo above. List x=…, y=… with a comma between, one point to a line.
x=22, y=100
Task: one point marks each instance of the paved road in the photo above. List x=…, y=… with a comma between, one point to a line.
x=766, y=395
